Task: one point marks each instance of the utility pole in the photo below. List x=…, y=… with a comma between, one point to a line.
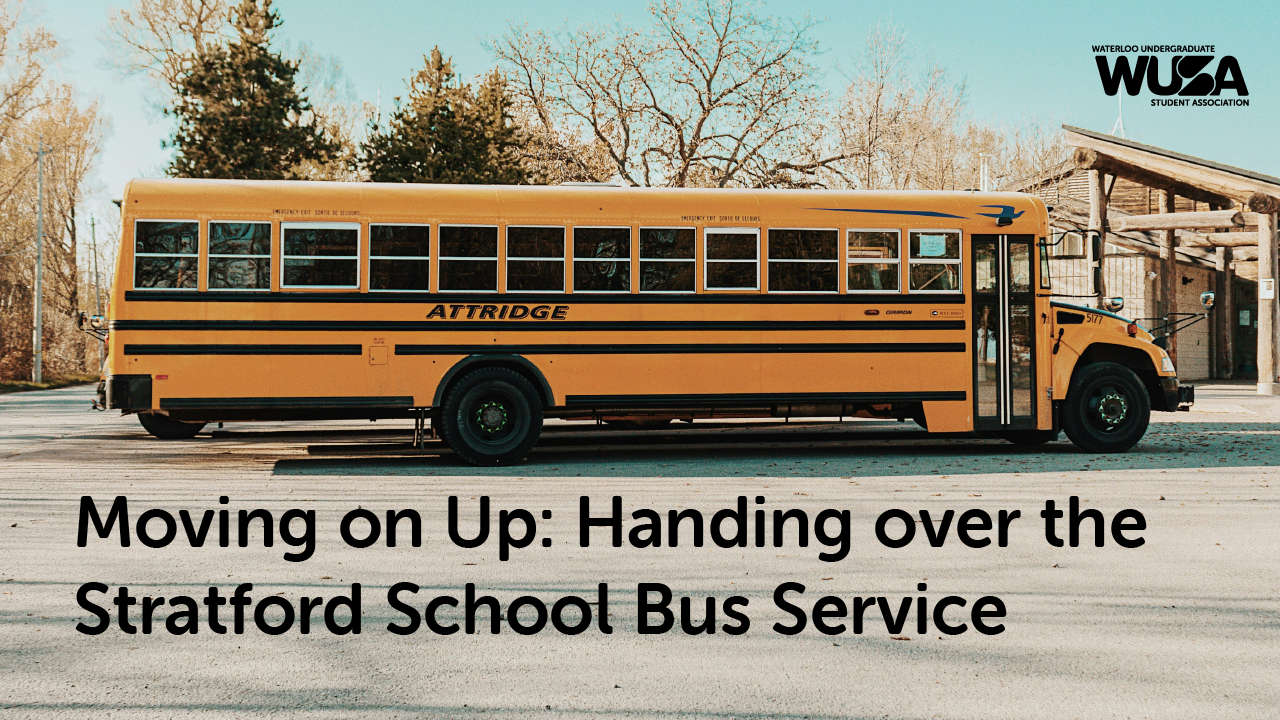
x=97, y=288
x=37, y=338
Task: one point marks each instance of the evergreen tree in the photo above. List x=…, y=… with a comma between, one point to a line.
x=240, y=114
x=446, y=133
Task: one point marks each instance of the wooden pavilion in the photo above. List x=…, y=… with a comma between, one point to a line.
x=1172, y=226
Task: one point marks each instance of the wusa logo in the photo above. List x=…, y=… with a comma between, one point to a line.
x=1196, y=79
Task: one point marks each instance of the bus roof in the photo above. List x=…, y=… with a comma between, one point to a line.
x=338, y=201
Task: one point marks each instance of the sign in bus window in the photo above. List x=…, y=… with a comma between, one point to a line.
x=666, y=259
x=732, y=258
x=320, y=255
x=166, y=254
x=239, y=256
x=535, y=259
x=934, y=261
x=804, y=260
x=602, y=259
x=874, y=260
x=399, y=257
x=469, y=258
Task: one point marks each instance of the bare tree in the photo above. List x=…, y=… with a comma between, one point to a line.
x=25, y=53
x=162, y=38
x=903, y=127
x=74, y=137
x=712, y=94
x=1030, y=146
x=337, y=111
x=34, y=110
x=898, y=129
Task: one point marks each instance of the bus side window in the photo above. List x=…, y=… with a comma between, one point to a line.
x=239, y=255
x=804, y=261
x=166, y=254
x=666, y=259
x=535, y=259
x=874, y=260
x=934, y=261
x=732, y=258
x=320, y=255
x=469, y=258
x=602, y=259
x=399, y=258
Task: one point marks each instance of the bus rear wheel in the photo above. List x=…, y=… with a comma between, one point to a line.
x=1107, y=409
x=491, y=416
x=165, y=429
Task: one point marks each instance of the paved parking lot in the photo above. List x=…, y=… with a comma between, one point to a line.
x=1186, y=626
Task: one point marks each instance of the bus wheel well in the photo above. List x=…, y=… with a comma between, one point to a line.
x=1132, y=358
x=513, y=362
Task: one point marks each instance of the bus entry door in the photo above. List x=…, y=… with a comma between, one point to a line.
x=1003, y=333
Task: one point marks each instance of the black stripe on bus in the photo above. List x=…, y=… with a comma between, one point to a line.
x=536, y=325
x=755, y=400
x=545, y=298
x=680, y=348
x=186, y=349
x=286, y=403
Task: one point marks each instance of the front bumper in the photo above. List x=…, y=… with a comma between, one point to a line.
x=1177, y=396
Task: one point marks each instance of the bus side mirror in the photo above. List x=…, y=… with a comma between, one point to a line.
x=1161, y=342
x=1207, y=300
x=97, y=322
x=1114, y=304
x=81, y=319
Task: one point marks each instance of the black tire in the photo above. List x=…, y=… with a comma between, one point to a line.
x=1107, y=408
x=491, y=416
x=1031, y=437
x=165, y=429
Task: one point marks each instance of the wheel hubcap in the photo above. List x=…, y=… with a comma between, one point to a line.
x=1110, y=409
x=491, y=417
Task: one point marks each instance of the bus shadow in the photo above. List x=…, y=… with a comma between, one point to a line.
x=801, y=452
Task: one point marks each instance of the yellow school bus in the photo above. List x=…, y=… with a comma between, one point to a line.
x=485, y=309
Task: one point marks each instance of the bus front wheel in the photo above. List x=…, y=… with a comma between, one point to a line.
x=1107, y=409
x=491, y=416
x=165, y=429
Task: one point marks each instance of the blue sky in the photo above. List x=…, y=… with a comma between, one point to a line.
x=1018, y=58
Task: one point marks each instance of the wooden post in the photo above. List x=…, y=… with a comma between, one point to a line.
x=1224, y=315
x=1267, y=307
x=1169, y=275
x=1169, y=220
x=1097, y=225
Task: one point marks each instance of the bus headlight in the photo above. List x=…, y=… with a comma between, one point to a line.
x=1166, y=365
